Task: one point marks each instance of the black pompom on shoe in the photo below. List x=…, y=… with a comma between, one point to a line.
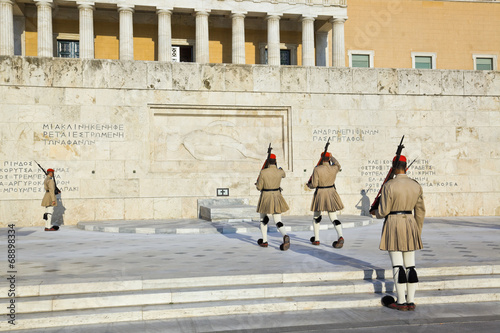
x=338, y=244
x=261, y=243
x=387, y=299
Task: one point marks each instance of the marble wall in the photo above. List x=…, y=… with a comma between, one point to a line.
x=144, y=140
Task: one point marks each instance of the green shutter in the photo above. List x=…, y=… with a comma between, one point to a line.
x=485, y=64
x=360, y=60
x=423, y=62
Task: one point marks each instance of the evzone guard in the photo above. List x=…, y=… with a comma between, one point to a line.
x=400, y=201
x=271, y=201
x=326, y=197
x=49, y=200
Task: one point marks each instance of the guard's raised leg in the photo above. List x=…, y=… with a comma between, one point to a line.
x=316, y=221
x=264, y=220
x=339, y=243
x=281, y=228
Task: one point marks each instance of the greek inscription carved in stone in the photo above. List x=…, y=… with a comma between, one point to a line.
x=342, y=134
x=79, y=134
x=26, y=177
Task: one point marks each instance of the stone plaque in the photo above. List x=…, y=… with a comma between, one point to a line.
x=218, y=138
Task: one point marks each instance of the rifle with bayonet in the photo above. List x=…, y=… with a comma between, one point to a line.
x=57, y=190
x=389, y=176
x=411, y=164
x=321, y=158
x=266, y=162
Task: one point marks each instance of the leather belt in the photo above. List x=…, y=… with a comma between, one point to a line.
x=400, y=212
x=47, y=191
x=270, y=189
x=326, y=186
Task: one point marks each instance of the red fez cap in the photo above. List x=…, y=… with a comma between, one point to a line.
x=50, y=170
x=401, y=158
x=326, y=155
x=272, y=157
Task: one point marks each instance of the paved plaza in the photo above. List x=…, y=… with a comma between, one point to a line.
x=72, y=255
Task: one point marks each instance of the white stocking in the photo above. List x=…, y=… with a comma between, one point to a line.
x=338, y=227
x=277, y=219
x=316, y=226
x=263, y=228
x=49, y=211
x=409, y=260
x=397, y=264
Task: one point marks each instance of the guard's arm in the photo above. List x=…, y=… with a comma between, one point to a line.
x=260, y=182
x=52, y=189
x=384, y=208
x=420, y=211
x=315, y=178
x=335, y=162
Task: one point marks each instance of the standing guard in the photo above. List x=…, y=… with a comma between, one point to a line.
x=271, y=201
x=402, y=205
x=49, y=200
x=326, y=197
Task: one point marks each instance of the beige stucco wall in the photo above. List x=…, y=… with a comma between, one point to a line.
x=454, y=30
x=143, y=140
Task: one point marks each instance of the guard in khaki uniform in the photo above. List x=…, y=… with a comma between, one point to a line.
x=326, y=197
x=49, y=200
x=271, y=201
x=402, y=206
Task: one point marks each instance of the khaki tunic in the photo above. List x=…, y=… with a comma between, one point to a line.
x=325, y=199
x=271, y=202
x=401, y=232
x=50, y=188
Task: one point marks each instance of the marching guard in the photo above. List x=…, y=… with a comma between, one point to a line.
x=326, y=197
x=401, y=203
x=271, y=201
x=49, y=200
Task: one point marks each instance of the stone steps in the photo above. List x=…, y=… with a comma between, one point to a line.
x=127, y=301
x=224, y=293
x=234, y=307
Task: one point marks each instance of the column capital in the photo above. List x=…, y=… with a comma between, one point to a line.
x=125, y=8
x=202, y=12
x=47, y=3
x=238, y=14
x=338, y=19
x=273, y=16
x=86, y=5
x=164, y=10
x=11, y=2
x=308, y=18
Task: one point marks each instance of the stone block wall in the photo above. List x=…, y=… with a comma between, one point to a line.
x=146, y=140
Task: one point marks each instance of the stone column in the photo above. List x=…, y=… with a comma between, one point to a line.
x=44, y=28
x=307, y=41
x=86, y=10
x=238, y=46
x=6, y=28
x=126, y=32
x=164, y=34
x=202, y=50
x=322, y=49
x=273, y=40
x=338, y=53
